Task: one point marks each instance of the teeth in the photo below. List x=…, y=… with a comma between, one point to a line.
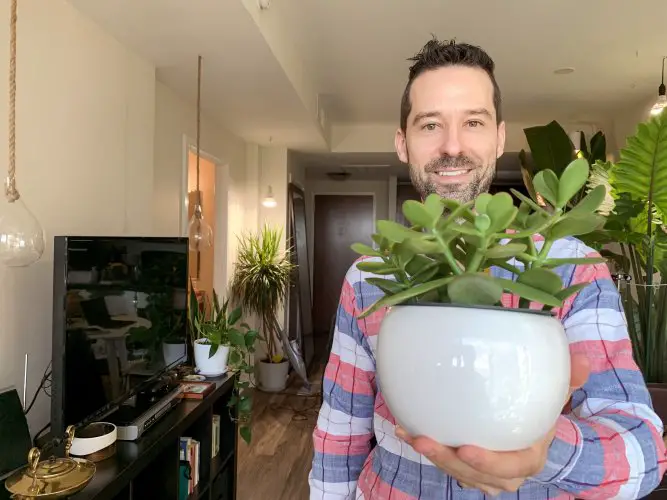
x=451, y=173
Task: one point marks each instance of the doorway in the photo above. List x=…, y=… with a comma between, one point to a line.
x=339, y=221
x=201, y=263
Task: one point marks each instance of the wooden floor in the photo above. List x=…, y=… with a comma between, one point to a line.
x=276, y=463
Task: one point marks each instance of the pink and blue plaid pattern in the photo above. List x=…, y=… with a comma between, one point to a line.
x=609, y=445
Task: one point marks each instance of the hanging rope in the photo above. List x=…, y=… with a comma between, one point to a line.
x=10, y=189
x=198, y=129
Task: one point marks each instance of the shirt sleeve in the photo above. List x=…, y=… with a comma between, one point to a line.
x=344, y=429
x=610, y=444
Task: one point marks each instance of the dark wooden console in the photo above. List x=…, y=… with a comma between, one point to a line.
x=149, y=467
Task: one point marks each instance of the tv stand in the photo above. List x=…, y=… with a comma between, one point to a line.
x=149, y=467
x=142, y=411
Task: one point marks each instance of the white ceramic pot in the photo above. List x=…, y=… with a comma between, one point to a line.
x=210, y=366
x=273, y=376
x=173, y=353
x=490, y=377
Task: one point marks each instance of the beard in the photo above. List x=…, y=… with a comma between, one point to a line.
x=482, y=177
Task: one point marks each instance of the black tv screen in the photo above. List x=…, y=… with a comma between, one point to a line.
x=119, y=320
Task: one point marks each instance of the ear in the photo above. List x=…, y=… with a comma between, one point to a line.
x=401, y=146
x=500, y=149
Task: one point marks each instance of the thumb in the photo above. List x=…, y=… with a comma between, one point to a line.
x=579, y=371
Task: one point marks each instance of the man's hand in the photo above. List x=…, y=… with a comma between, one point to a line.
x=489, y=471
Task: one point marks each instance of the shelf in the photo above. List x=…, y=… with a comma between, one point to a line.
x=149, y=466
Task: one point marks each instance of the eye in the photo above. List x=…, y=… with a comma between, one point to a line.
x=430, y=126
x=475, y=123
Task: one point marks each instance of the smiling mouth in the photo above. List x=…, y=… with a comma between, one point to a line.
x=452, y=172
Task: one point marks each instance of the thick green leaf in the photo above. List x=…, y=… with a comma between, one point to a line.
x=387, y=286
x=574, y=178
x=482, y=223
x=566, y=293
x=234, y=316
x=575, y=225
x=213, y=349
x=542, y=279
x=482, y=202
x=246, y=433
x=642, y=168
x=236, y=338
x=576, y=261
x=529, y=293
x=418, y=263
x=425, y=274
x=404, y=254
x=365, y=250
x=591, y=202
x=502, y=211
x=546, y=184
x=404, y=296
x=422, y=245
x=550, y=147
x=394, y=231
x=418, y=214
x=505, y=251
x=475, y=289
x=380, y=268
x=434, y=205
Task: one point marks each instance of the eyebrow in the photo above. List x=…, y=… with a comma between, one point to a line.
x=436, y=114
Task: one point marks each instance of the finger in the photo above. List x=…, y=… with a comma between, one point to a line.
x=579, y=371
x=502, y=465
x=402, y=434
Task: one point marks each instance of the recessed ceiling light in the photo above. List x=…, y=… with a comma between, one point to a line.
x=564, y=71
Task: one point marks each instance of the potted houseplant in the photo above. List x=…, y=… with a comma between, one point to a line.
x=259, y=284
x=222, y=342
x=447, y=337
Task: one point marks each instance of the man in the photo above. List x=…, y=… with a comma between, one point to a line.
x=606, y=444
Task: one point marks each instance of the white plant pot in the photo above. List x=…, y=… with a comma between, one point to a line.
x=273, y=376
x=173, y=353
x=210, y=366
x=490, y=377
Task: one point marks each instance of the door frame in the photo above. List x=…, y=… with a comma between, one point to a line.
x=311, y=228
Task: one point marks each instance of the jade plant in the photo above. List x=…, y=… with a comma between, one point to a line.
x=216, y=324
x=444, y=257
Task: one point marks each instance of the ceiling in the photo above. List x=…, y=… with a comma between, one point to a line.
x=268, y=74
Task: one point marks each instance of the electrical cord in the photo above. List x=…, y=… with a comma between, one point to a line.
x=44, y=385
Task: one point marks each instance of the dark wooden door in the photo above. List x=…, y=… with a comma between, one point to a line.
x=340, y=221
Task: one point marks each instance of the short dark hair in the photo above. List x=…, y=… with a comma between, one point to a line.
x=436, y=54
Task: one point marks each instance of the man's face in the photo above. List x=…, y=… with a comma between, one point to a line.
x=452, y=140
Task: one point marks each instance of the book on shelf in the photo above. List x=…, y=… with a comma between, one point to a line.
x=215, y=444
x=189, y=466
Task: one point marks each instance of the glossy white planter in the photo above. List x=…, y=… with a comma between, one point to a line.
x=213, y=366
x=490, y=377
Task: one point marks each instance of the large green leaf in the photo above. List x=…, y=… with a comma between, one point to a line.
x=642, y=168
x=550, y=147
x=406, y=295
x=475, y=289
x=573, y=179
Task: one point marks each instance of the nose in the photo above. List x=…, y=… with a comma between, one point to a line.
x=451, y=142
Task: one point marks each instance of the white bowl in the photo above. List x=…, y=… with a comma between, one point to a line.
x=491, y=377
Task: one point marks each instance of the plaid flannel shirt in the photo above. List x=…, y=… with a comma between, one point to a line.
x=608, y=444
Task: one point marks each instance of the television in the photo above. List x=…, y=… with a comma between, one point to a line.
x=119, y=321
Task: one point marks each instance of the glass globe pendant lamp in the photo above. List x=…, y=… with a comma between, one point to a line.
x=661, y=102
x=21, y=235
x=200, y=233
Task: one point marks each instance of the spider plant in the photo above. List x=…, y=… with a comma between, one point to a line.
x=260, y=282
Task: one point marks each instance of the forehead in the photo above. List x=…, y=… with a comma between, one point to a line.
x=450, y=89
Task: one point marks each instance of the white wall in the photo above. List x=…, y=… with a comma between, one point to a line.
x=85, y=116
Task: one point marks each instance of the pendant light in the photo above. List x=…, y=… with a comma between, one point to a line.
x=661, y=103
x=21, y=235
x=200, y=233
x=269, y=200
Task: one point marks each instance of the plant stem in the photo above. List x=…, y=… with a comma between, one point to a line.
x=448, y=254
x=478, y=256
